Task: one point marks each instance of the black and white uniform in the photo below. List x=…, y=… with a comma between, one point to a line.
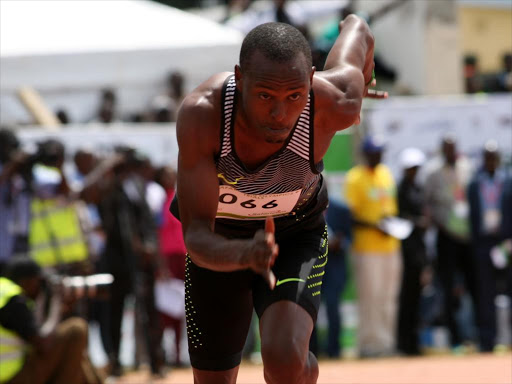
x=288, y=187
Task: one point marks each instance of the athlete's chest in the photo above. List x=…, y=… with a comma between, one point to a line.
x=254, y=153
x=272, y=189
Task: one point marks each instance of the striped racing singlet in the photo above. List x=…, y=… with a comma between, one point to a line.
x=287, y=186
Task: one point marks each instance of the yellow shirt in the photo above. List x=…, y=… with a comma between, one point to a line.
x=371, y=195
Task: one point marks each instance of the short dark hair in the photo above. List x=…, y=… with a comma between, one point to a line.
x=8, y=144
x=279, y=42
x=21, y=267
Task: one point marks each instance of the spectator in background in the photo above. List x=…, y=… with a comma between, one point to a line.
x=176, y=86
x=146, y=207
x=62, y=115
x=54, y=353
x=129, y=255
x=85, y=163
x=172, y=245
x=411, y=206
x=339, y=228
x=445, y=191
x=119, y=257
x=490, y=202
x=14, y=198
x=505, y=76
x=172, y=249
x=107, y=112
x=164, y=107
x=472, y=80
x=155, y=193
x=371, y=196
x=55, y=233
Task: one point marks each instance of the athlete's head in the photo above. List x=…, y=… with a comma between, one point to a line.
x=274, y=79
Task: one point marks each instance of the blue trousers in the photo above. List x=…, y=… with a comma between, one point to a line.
x=332, y=288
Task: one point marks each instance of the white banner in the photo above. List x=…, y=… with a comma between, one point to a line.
x=421, y=123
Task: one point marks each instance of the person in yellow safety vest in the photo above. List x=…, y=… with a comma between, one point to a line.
x=54, y=352
x=55, y=234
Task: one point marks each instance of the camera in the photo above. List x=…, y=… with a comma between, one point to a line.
x=78, y=287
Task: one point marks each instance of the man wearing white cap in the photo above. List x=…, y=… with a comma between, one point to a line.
x=411, y=206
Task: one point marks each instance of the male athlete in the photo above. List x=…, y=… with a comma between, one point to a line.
x=251, y=196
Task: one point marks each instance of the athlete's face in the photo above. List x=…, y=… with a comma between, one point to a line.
x=273, y=95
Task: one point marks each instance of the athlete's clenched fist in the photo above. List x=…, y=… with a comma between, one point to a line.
x=261, y=252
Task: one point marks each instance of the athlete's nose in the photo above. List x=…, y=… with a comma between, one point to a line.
x=278, y=111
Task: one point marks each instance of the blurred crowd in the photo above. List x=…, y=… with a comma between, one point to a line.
x=475, y=81
x=163, y=108
x=431, y=251
x=107, y=217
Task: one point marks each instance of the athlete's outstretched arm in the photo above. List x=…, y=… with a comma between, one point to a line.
x=347, y=74
x=198, y=194
x=350, y=64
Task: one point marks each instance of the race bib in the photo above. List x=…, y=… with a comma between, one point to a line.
x=234, y=204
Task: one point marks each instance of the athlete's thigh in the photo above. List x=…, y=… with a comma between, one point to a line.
x=299, y=269
x=218, y=311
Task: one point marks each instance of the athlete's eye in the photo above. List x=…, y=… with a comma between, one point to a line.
x=295, y=96
x=264, y=96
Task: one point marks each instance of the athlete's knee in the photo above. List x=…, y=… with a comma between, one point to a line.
x=284, y=362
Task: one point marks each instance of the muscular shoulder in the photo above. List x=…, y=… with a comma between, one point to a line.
x=200, y=114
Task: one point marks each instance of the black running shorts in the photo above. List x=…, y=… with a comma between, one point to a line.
x=219, y=305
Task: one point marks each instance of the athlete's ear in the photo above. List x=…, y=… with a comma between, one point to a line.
x=313, y=69
x=238, y=78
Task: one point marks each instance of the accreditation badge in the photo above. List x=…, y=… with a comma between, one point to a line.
x=492, y=220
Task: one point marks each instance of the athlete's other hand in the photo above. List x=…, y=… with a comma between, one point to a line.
x=262, y=252
x=372, y=94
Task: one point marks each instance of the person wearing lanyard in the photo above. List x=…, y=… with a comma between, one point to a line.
x=490, y=195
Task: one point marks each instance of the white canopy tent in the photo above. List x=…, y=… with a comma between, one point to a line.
x=69, y=50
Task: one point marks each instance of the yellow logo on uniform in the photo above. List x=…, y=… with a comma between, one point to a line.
x=221, y=176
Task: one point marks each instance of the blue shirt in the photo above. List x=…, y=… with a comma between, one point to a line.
x=339, y=222
x=14, y=214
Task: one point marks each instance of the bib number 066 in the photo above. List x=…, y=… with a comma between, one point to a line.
x=243, y=206
x=229, y=198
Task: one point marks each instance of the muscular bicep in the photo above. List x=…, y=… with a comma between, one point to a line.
x=198, y=190
x=198, y=187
